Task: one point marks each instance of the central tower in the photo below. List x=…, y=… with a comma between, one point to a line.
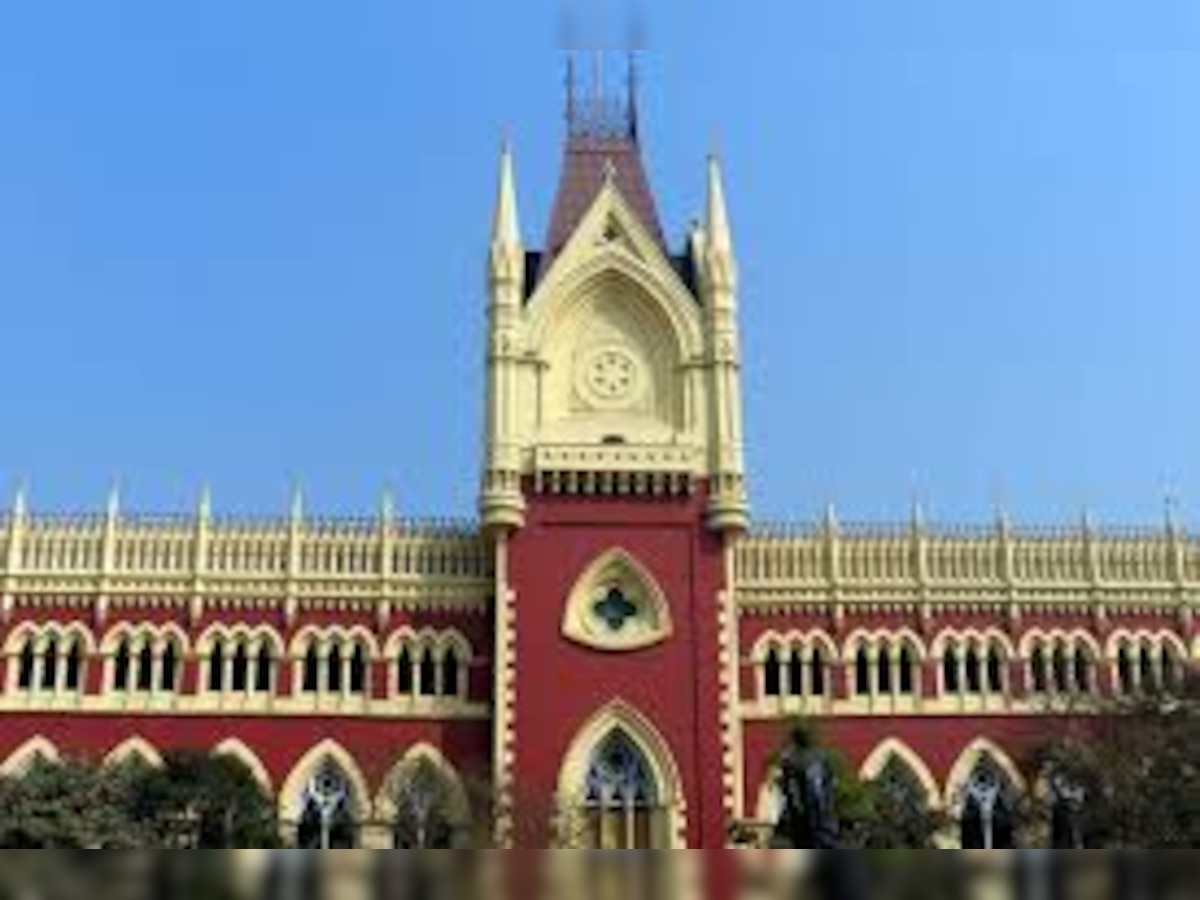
x=613, y=486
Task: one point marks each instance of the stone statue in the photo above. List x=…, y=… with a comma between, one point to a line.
x=808, y=819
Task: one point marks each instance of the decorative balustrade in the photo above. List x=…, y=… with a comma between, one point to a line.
x=829, y=556
x=91, y=549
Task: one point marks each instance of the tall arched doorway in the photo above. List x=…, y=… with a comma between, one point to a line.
x=619, y=788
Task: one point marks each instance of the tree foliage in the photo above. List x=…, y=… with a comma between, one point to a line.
x=193, y=800
x=1136, y=765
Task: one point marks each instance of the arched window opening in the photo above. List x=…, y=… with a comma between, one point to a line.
x=170, y=667
x=50, y=665
x=908, y=680
x=1039, y=670
x=73, y=677
x=450, y=673
x=216, y=667
x=974, y=674
x=239, y=668
x=817, y=673
x=26, y=666
x=121, y=665
x=1062, y=670
x=796, y=674
x=1172, y=669
x=988, y=810
x=1146, y=665
x=950, y=679
x=333, y=669
x=1124, y=671
x=771, y=674
x=358, y=670
x=862, y=673
x=264, y=674
x=995, y=670
x=1084, y=671
x=428, y=674
x=329, y=820
x=312, y=669
x=145, y=670
x=884, y=664
x=404, y=672
x=622, y=804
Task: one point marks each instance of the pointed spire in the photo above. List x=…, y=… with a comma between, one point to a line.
x=20, y=507
x=204, y=506
x=831, y=518
x=113, y=509
x=720, y=235
x=506, y=230
x=917, y=516
x=297, y=505
x=387, y=507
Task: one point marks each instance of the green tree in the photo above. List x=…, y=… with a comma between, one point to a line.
x=1136, y=763
x=202, y=801
x=67, y=805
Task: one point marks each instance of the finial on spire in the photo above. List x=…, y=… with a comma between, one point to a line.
x=113, y=509
x=720, y=235
x=632, y=103
x=506, y=229
x=204, y=505
x=1171, y=513
x=387, y=507
x=831, y=519
x=20, y=507
x=917, y=515
x=297, y=505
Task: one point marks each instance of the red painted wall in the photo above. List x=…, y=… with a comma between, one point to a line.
x=560, y=685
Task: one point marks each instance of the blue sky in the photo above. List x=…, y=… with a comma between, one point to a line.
x=242, y=244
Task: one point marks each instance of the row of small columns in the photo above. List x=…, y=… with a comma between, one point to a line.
x=194, y=672
x=1016, y=677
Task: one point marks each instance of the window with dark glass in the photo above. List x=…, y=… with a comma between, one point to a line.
x=450, y=673
x=428, y=674
x=312, y=666
x=216, y=667
x=358, y=670
x=50, y=665
x=73, y=675
x=145, y=673
x=121, y=667
x=264, y=671
x=25, y=672
x=240, y=668
x=170, y=665
x=404, y=672
x=771, y=674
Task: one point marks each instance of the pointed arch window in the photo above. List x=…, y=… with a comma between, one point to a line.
x=907, y=673
x=240, y=668
x=428, y=674
x=264, y=674
x=796, y=673
x=50, y=665
x=358, y=670
x=333, y=669
x=817, y=674
x=950, y=673
x=862, y=672
x=73, y=677
x=1039, y=668
x=451, y=673
x=772, y=674
x=121, y=666
x=404, y=672
x=312, y=669
x=995, y=670
x=26, y=666
x=216, y=667
x=170, y=667
x=145, y=667
x=622, y=805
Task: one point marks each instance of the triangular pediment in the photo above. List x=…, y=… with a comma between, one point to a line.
x=610, y=227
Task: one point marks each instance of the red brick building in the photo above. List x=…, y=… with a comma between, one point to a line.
x=612, y=653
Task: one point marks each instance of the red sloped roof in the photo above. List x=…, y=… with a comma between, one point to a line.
x=586, y=164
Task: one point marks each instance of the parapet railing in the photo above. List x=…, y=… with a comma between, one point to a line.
x=201, y=546
x=832, y=554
